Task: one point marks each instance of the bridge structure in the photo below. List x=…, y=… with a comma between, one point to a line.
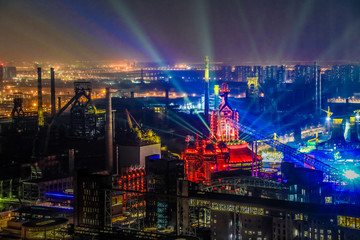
x=241, y=185
x=331, y=174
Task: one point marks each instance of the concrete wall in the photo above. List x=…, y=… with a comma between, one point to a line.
x=135, y=155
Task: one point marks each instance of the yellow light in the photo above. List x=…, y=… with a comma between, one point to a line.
x=34, y=104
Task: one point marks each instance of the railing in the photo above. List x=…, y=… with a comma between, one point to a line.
x=331, y=174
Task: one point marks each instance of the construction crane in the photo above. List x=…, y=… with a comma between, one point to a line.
x=143, y=135
x=328, y=112
x=129, y=117
x=316, y=139
x=357, y=113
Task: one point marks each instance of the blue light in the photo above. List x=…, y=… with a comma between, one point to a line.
x=328, y=119
x=350, y=174
x=59, y=195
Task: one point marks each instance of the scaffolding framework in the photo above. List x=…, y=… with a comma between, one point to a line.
x=83, y=112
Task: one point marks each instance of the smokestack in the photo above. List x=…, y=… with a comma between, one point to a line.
x=206, y=108
x=52, y=84
x=71, y=160
x=108, y=133
x=59, y=103
x=167, y=97
x=132, y=95
x=316, y=90
x=40, y=109
x=320, y=91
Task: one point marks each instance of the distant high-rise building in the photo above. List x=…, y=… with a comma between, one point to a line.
x=1, y=73
x=304, y=73
x=344, y=80
x=280, y=74
x=242, y=73
x=259, y=72
x=270, y=73
x=9, y=72
x=226, y=73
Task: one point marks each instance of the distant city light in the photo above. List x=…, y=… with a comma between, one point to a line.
x=350, y=174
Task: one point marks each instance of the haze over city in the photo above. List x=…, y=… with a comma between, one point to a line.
x=258, y=32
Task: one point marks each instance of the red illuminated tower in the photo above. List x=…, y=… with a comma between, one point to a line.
x=223, y=151
x=222, y=119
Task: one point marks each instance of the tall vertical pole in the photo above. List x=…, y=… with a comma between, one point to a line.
x=256, y=159
x=52, y=85
x=206, y=107
x=108, y=133
x=40, y=108
x=252, y=157
x=316, y=90
x=59, y=103
x=320, y=91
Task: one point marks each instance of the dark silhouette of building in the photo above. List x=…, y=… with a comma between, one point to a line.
x=92, y=199
x=1, y=73
x=9, y=72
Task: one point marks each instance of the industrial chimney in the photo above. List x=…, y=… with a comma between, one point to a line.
x=206, y=107
x=109, y=159
x=316, y=90
x=59, y=103
x=40, y=108
x=52, y=85
x=167, y=97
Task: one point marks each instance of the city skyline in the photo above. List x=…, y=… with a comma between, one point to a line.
x=261, y=32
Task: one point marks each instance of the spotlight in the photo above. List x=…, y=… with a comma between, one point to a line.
x=328, y=119
x=350, y=174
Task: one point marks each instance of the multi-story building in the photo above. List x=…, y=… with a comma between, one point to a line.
x=9, y=72
x=259, y=72
x=242, y=73
x=227, y=73
x=92, y=199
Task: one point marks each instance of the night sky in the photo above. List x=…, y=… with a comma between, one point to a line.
x=254, y=31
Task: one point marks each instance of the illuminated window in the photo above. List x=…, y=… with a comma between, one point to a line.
x=350, y=222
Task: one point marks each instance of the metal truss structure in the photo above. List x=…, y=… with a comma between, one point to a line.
x=331, y=174
x=83, y=112
x=23, y=121
x=240, y=184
